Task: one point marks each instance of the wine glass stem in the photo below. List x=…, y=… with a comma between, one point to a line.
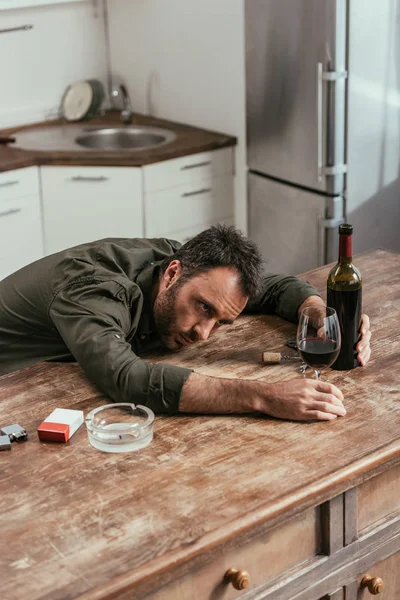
x=317, y=374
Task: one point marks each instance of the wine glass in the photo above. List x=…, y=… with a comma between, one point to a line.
x=318, y=337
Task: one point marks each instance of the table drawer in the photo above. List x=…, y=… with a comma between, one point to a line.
x=188, y=206
x=187, y=169
x=264, y=557
x=19, y=183
x=378, y=498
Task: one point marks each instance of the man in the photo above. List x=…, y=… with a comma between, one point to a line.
x=105, y=302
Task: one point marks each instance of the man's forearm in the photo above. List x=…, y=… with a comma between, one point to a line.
x=212, y=395
x=299, y=399
x=311, y=301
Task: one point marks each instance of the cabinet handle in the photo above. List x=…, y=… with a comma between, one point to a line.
x=202, y=191
x=9, y=183
x=195, y=165
x=12, y=211
x=374, y=584
x=80, y=178
x=19, y=28
x=239, y=579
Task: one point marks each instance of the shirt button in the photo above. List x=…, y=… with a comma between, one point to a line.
x=142, y=337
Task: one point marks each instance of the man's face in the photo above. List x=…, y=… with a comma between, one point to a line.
x=190, y=311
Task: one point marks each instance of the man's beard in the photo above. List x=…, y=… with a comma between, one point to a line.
x=165, y=316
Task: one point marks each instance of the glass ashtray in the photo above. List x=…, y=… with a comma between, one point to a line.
x=120, y=427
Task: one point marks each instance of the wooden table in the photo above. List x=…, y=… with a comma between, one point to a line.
x=306, y=508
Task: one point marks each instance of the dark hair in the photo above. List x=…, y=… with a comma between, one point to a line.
x=221, y=246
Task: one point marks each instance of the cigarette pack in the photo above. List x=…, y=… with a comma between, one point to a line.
x=60, y=425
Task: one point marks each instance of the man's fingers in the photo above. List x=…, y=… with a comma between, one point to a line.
x=328, y=388
x=318, y=415
x=327, y=407
x=364, y=356
x=364, y=324
x=364, y=342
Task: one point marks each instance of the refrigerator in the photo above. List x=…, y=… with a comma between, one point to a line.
x=323, y=127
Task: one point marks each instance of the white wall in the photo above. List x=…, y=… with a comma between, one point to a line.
x=184, y=60
x=65, y=45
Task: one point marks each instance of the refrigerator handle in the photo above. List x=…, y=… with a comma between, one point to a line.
x=323, y=171
x=319, y=121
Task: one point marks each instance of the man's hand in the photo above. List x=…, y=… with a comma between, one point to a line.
x=303, y=400
x=363, y=346
x=299, y=399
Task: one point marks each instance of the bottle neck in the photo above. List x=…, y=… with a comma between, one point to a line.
x=345, y=248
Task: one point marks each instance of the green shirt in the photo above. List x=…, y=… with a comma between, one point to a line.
x=92, y=304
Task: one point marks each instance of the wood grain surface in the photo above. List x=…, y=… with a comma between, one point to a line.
x=78, y=523
x=190, y=140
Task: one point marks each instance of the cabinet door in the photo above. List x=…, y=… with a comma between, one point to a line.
x=20, y=220
x=20, y=233
x=82, y=204
x=191, y=206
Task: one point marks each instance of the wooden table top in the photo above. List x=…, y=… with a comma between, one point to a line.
x=78, y=523
x=189, y=140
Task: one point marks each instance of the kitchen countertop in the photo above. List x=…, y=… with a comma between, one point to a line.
x=190, y=140
x=77, y=523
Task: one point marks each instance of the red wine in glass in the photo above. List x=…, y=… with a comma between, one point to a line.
x=318, y=337
x=318, y=353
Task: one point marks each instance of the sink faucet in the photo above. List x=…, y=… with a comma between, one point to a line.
x=120, y=91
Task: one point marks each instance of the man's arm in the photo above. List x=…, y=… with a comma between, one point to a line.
x=298, y=399
x=283, y=295
x=93, y=318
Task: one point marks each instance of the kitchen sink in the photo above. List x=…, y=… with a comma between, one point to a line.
x=130, y=138
x=89, y=138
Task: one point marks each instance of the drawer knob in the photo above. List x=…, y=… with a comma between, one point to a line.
x=374, y=584
x=239, y=579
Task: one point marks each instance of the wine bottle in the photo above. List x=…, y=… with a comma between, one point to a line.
x=344, y=294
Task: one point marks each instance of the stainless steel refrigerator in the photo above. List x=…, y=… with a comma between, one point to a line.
x=323, y=127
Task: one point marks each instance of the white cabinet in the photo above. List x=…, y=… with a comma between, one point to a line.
x=176, y=198
x=82, y=204
x=183, y=196
x=20, y=220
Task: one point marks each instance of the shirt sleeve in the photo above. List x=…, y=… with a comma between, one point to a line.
x=283, y=295
x=94, y=318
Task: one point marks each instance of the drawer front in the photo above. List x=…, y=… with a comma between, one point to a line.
x=187, y=170
x=20, y=234
x=19, y=183
x=379, y=498
x=264, y=557
x=389, y=571
x=187, y=234
x=189, y=206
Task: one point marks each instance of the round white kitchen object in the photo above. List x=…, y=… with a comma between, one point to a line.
x=120, y=427
x=77, y=101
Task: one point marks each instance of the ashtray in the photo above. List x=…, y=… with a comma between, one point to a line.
x=120, y=427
